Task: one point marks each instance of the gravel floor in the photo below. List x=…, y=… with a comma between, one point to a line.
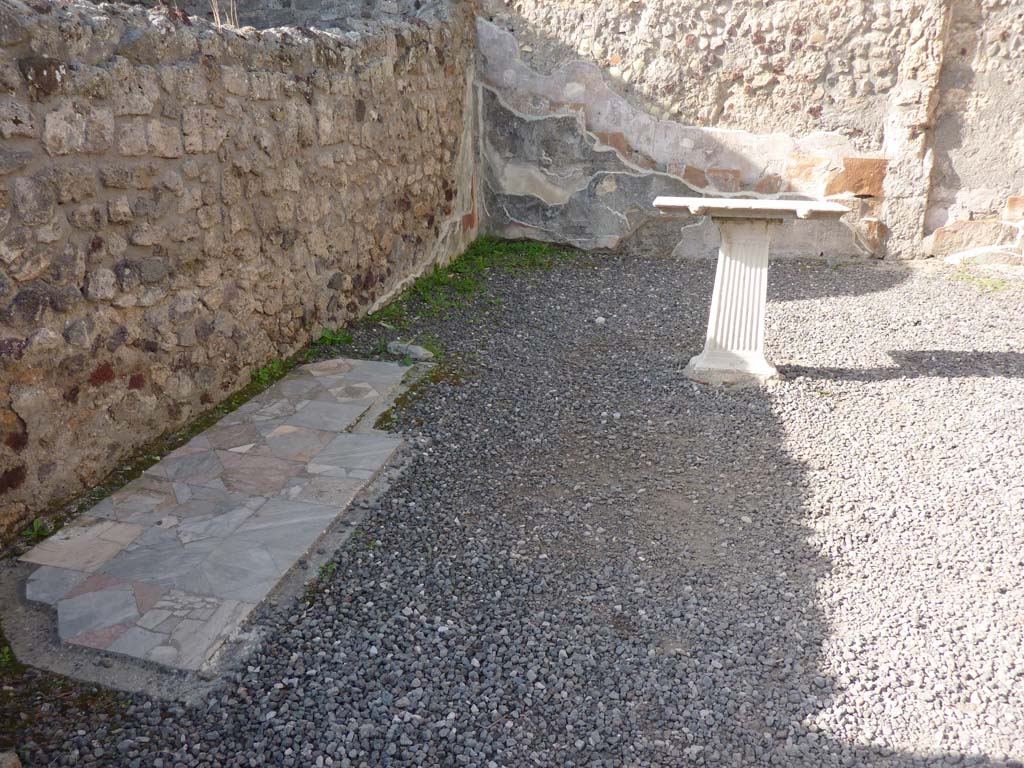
x=591, y=561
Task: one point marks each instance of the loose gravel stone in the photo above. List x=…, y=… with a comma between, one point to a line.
x=414, y=351
x=592, y=561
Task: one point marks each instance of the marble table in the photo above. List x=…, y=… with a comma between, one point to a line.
x=734, y=347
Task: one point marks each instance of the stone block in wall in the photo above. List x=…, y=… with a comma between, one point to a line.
x=89, y=216
x=52, y=232
x=1014, y=208
x=72, y=182
x=134, y=90
x=263, y=86
x=209, y=216
x=99, y=130
x=12, y=160
x=185, y=82
x=16, y=119
x=80, y=333
x=803, y=171
x=164, y=138
x=204, y=129
x=235, y=80
x=147, y=233
x=128, y=176
x=33, y=262
x=68, y=266
x=119, y=210
x=10, y=78
x=967, y=235
x=100, y=285
x=43, y=75
x=725, y=179
x=12, y=27
x=64, y=130
x=112, y=244
x=28, y=307
x=860, y=176
x=131, y=139
x=34, y=200
x=13, y=245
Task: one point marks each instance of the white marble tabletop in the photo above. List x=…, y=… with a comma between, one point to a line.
x=752, y=207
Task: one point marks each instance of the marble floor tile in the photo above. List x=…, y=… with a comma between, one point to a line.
x=261, y=410
x=137, y=642
x=233, y=436
x=297, y=443
x=97, y=582
x=344, y=393
x=281, y=514
x=339, y=473
x=216, y=525
x=147, y=594
x=99, y=638
x=289, y=389
x=239, y=571
x=143, y=501
x=327, y=416
x=160, y=557
x=85, y=545
x=332, y=367
x=256, y=475
x=323, y=490
x=195, y=467
x=48, y=584
x=357, y=451
x=378, y=374
x=199, y=643
x=96, y=610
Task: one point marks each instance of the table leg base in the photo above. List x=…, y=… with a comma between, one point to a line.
x=733, y=368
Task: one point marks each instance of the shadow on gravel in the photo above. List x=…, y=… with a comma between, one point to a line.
x=817, y=280
x=935, y=363
x=741, y=635
x=685, y=525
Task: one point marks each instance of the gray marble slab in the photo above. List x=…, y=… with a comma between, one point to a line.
x=167, y=567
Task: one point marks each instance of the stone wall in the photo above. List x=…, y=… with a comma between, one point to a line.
x=976, y=198
x=787, y=66
x=181, y=205
x=908, y=110
x=325, y=14
x=565, y=157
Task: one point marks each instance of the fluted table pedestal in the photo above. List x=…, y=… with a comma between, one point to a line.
x=734, y=346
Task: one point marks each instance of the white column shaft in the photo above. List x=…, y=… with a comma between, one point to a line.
x=734, y=347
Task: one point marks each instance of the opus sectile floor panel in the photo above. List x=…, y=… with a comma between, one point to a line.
x=167, y=567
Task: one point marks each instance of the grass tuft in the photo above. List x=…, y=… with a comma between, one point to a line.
x=456, y=284
x=271, y=372
x=334, y=338
x=327, y=570
x=981, y=282
x=37, y=531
